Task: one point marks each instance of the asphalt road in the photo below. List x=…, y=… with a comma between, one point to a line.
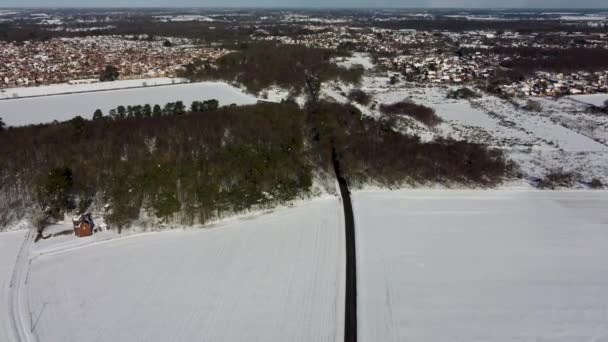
x=350, y=304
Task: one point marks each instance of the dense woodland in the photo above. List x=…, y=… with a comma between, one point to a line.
x=259, y=66
x=195, y=166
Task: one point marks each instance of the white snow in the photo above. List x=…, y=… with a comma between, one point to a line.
x=446, y=265
x=10, y=242
x=277, y=277
x=65, y=88
x=593, y=99
x=17, y=112
x=358, y=58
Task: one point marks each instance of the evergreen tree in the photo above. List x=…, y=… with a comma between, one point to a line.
x=113, y=114
x=98, y=115
x=209, y=105
x=129, y=111
x=2, y=125
x=157, y=111
x=138, y=111
x=168, y=109
x=196, y=106
x=147, y=111
x=179, y=108
x=122, y=112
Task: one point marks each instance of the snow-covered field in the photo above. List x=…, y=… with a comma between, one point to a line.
x=10, y=242
x=17, y=112
x=598, y=100
x=432, y=265
x=276, y=277
x=65, y=88
x=357, y=59
x=441, y=265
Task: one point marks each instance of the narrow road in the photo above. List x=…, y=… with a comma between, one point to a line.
x=350, y=304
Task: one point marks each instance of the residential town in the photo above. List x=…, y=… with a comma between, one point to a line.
x=61, y=60
x=454, y=58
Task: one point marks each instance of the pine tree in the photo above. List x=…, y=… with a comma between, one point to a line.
x=2, y=125
x=113, y=114
x=179, y=108
x=147, y=110
x=98, y=115
x=157, y=111
x=122, y=112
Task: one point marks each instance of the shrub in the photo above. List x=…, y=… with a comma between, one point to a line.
x=596, y=184
x=359, y=96
x=533, y=106
x=556, y=179
x=421, y=113
x=110, y=73
x=463, y=93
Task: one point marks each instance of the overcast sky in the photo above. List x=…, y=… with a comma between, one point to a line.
x=311, y=3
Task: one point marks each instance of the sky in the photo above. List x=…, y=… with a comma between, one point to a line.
x=312, y=3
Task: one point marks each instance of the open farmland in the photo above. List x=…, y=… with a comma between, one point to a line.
x=276, y=277
x=25, y=111
x=448, y=265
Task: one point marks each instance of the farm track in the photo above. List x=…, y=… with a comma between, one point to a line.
x=18, y=293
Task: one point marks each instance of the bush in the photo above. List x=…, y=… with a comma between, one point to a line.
x=596, y=184
x=359, y=96
x=110, y=73
x=463, y=93
x=557, y=179
x=533, y=106
x=421, y=113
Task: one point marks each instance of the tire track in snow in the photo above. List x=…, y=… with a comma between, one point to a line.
x=19, y=320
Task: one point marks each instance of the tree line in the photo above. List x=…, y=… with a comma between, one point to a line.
x=147, y=110
x=191, y=168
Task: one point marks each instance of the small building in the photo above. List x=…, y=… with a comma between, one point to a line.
x=83, y=225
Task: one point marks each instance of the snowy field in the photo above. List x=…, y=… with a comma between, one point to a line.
x=276, y=277
x=598, y=100
x=442, y=266
x=64, y=88
x=10, y=242
x=17, y=112
x=357, y=59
